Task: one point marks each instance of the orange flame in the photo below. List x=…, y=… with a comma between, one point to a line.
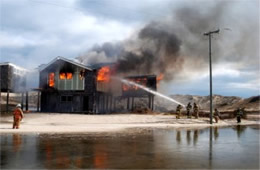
x=51, y=79
x=141, y=81
x=104, y=74
x=159, y=78
x=69, y=76
x=64, y=76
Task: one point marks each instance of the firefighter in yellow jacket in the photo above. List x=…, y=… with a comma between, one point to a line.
x=178, y=111
x=18, y=116
x=188, y=107
x=196, y=110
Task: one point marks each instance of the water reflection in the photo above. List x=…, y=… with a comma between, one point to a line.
x=17, y=141
x=240, y=129
x=188, y=138
x=178, y=136
x=216, y=134
x=154, y=149
x=100, y=157
x=195, y=136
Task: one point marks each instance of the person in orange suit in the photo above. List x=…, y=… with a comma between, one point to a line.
x=18, y=116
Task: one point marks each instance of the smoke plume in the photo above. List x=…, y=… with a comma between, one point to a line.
x=176, y=43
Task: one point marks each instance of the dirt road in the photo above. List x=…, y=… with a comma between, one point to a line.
x=81, y=123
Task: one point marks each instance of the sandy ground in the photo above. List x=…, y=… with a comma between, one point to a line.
x=80, y=123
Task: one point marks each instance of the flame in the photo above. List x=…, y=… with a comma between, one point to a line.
x=64, y=76
x=81, y=74
x=69, y=76
x=159, y=78
x=51, y=79
x=104, y=74
x=141, y=81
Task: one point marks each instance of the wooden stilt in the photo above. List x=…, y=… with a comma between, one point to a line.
x=0, y=98
x=22, y=100
x=98, y=103
x=114, y=108
x=149, y=101
x=152, y=99
x=128, y=103
x=133, y=103
x=95, y=104
x=107, y=103
x=103, y=103
x=38, y=101
x=111, y=103
x=7, y=101
x=26, y=100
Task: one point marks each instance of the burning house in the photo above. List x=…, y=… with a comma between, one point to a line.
x=69, y=86
x=66, y=86
x=13, y=78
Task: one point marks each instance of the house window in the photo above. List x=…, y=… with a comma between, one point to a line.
x=63, y=98
x=64, y=76
x=51, y=79
x=66, y=98
x=69, y=76
x=81, y=74
x=69, y=98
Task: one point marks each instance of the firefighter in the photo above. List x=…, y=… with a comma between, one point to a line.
x=239, y=114
x=196, y=110
x=18, y=116
x=178, y=111
x=216, y=115
x=188, y=107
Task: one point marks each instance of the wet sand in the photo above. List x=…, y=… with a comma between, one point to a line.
x=81, y=123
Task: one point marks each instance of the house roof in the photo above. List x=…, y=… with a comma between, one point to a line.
x=99, y=65
x=13, y=65
x=42, y=67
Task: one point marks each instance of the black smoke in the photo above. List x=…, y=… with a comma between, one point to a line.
x=176, y=43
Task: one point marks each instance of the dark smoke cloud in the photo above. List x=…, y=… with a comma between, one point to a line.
x=159, y=51
x=176, y=43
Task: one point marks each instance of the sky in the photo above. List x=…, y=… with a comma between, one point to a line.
x=33, y=32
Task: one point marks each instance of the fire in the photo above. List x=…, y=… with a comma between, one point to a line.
x=141, y=81
x=51, y=79
x=69, y=76
x=104, y=74
x=159, y=78
x=64, y=76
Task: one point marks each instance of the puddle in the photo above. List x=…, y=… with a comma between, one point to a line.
x=228, y=148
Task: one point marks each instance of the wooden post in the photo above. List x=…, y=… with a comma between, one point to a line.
x=107, y=103
x=94, y=103
x=26, y=100
x=149, y=101
x=103, y=103
x=110, y=104
x=128, y=103
x=0, y=96
x=7, y=101
x=152, y=102
x=22, y=101
x=133, y=103
x=38, y=102
x=114, y=104
x=98, y=103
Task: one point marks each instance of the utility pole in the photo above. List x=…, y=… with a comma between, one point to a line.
x=210, y=71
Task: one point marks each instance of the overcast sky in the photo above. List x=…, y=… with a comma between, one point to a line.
x=33, y=32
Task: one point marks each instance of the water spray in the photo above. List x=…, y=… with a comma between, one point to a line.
x=150, y=91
